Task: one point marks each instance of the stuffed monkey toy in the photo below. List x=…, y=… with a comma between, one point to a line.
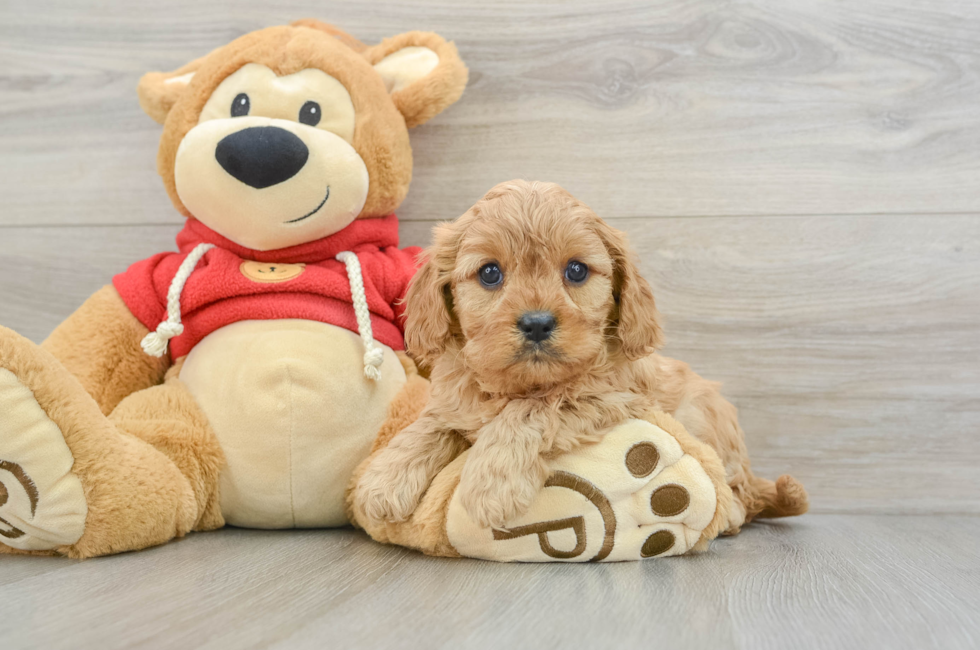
x=242, y=379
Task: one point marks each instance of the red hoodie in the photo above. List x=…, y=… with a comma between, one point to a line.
x=219, y=292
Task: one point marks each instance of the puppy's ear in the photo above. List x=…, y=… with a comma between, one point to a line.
x=159, y=91
x=636, y=317
x=429, y=303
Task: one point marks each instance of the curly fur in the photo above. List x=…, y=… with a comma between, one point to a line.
x=517, y=403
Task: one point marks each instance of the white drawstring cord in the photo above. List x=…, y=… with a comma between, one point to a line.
x=374, y=356
x=155, y=343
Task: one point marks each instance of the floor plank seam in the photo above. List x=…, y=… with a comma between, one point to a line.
x=841, y=215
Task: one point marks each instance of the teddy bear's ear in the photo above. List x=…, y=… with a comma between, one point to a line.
x=423, y=73
x=159, y=91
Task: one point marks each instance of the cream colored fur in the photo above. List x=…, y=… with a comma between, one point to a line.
x=604, y=512
x=294, y=416
x=43, y=467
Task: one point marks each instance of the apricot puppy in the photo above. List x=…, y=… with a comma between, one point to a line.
x=540, y=333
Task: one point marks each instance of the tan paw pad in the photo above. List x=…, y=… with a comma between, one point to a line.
x=633, y=495
x=42, y=504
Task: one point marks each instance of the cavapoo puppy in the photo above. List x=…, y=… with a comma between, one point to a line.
x=540, y=334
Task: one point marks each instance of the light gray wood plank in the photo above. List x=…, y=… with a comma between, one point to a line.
x=815, y=582
x=664, y=108
x=851, y=345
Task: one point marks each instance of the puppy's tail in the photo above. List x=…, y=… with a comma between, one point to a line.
x=764, y=499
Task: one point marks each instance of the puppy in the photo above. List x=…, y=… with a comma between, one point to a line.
x=540, y=334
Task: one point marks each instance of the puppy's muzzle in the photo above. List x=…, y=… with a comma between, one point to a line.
x=262, y=156
x=537, y=326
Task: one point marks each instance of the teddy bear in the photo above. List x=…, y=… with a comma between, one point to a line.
x=242, y=379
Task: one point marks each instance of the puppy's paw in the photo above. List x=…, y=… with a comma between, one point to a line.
x=492, y=497
x=389, y=490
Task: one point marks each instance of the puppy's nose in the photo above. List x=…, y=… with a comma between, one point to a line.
x=536, y=325
x=260, y=156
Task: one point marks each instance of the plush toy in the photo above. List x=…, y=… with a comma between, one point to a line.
x=242, y=379
x=646, y=489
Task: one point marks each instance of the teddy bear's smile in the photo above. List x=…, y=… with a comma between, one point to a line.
x=257, y=160
x=315, y=210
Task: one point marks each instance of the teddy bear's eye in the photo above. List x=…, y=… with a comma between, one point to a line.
x=310, y=114
x=240, y=105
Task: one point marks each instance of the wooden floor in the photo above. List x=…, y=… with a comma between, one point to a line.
x=802, y=181
x=823, y=581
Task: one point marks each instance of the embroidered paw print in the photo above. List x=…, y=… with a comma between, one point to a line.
x=665, y=502
x=633, y=495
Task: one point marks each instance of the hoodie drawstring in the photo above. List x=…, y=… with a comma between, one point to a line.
x=155, y=343
x=374, y=356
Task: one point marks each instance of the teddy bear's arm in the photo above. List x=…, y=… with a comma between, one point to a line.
x=100, y=345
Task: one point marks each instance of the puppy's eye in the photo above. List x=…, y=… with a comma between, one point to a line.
x=576, y=272
x=240, y=105
x=490, y=275
x=310, y=114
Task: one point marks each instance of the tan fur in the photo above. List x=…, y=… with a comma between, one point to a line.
x=148, y=471
x=402, y=411
x=100, y=345
x=426, y=528
x=157, y=97
x=168, y=419
x=517, y=405
x=380, y=133
x=423, y=100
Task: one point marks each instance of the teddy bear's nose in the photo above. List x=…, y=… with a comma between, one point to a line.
x=261, y=156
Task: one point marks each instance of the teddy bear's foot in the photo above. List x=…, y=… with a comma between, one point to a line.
x=42, y=504
x=77, y=483
x=640, y=492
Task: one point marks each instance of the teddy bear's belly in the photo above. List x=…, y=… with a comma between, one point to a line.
x=294, y=413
